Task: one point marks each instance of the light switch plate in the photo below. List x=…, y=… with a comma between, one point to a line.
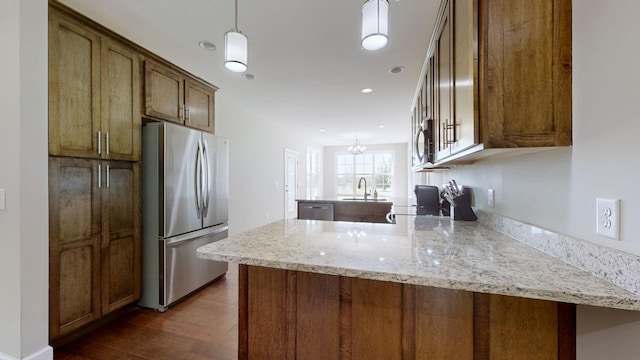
x=2, y=200
x=491, y=198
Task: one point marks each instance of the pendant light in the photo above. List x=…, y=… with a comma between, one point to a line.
x=235, y=48
x=375, y=24
x=356, y=149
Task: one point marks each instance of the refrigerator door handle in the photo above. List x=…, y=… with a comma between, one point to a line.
x=198, y=180
x=206, y=179
x=203, y=182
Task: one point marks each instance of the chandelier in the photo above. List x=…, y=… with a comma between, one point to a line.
x=357, y=148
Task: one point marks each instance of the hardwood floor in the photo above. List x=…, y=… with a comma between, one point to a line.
x=203, y=326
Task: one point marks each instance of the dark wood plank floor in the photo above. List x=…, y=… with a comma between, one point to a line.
x=203, y=326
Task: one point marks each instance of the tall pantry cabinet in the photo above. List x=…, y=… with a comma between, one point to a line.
x=94, y=170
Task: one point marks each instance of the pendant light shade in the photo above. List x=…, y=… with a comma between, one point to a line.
x=235, y=51
x=375, y=25
x=236, y=47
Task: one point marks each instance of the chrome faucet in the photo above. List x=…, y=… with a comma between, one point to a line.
x=365, y=186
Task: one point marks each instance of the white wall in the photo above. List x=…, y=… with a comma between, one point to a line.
x=400, y=168
x=256, y=169
x=23, y=174
x=557, y=189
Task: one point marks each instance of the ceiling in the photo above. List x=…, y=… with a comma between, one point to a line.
x=305, y=55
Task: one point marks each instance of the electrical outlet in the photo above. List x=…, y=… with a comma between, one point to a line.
x=491, y=198
x=608, y=217
x=266, y=215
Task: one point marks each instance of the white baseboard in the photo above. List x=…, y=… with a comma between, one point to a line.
x=45, y=353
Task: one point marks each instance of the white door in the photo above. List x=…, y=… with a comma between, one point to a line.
x=290, y=183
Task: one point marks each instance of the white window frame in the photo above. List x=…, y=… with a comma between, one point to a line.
x=371, y=185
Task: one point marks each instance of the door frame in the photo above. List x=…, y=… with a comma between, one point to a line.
x=290, y=153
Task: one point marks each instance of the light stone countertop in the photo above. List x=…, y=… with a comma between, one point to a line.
x=423, y=250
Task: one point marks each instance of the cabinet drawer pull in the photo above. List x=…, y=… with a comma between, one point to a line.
x=99, y=176
x=108, y=173
x=106, y=136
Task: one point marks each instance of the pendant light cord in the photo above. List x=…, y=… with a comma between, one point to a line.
x=236, y=23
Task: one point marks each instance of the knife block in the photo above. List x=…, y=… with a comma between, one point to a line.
x=462, y=210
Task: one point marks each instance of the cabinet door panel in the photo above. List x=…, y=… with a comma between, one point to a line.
x=509, y=339
x=444, y=121
x=379, y=336
x=528, y=69
x=77, y=265
x=120, y=102
x=74, y=244
x=443, y=323
x=267, y=316
x=121, y=239
x=465, y=63
x=199, y=101
x=164, y=93
x=74, y=88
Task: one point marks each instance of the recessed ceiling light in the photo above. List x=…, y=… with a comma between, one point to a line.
x=322, y=130
x=208, y=45
x=248, y=76
x=366, y=90
x=381, y=126
x=396, y=69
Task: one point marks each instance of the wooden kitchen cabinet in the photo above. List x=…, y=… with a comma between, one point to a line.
x=94, y=93
x=174, y=96
x=502, y=78
x=121, y=236
x=94, y=240
x=286, y=314
x=445, y=129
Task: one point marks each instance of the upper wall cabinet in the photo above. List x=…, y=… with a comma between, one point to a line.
x=502, y=78
x=173, y=96
x=94, y=94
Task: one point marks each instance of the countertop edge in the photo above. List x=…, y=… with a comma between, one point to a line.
x=617, y=302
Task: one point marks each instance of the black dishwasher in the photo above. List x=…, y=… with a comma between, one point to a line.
x=315, y=211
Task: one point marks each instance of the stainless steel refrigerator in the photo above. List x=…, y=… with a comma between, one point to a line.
x=184, y=206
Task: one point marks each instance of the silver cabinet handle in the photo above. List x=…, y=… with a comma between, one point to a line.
x=99, y=176
x=186, y=114
x=106, y=136
x=108, y=173
x=181, y=112
x=99, y=142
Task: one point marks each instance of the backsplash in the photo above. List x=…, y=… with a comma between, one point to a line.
x=614, y=266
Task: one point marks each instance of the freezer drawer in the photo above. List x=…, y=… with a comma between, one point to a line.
x=315, y=211
x=184, y=272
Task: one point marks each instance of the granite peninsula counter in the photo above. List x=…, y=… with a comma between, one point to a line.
x=430, y=251
x=391, y=291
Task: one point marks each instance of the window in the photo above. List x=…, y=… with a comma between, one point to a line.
x=375, y=167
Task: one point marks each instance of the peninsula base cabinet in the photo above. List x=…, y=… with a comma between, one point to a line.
x=286, y=314
x=94, y=241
